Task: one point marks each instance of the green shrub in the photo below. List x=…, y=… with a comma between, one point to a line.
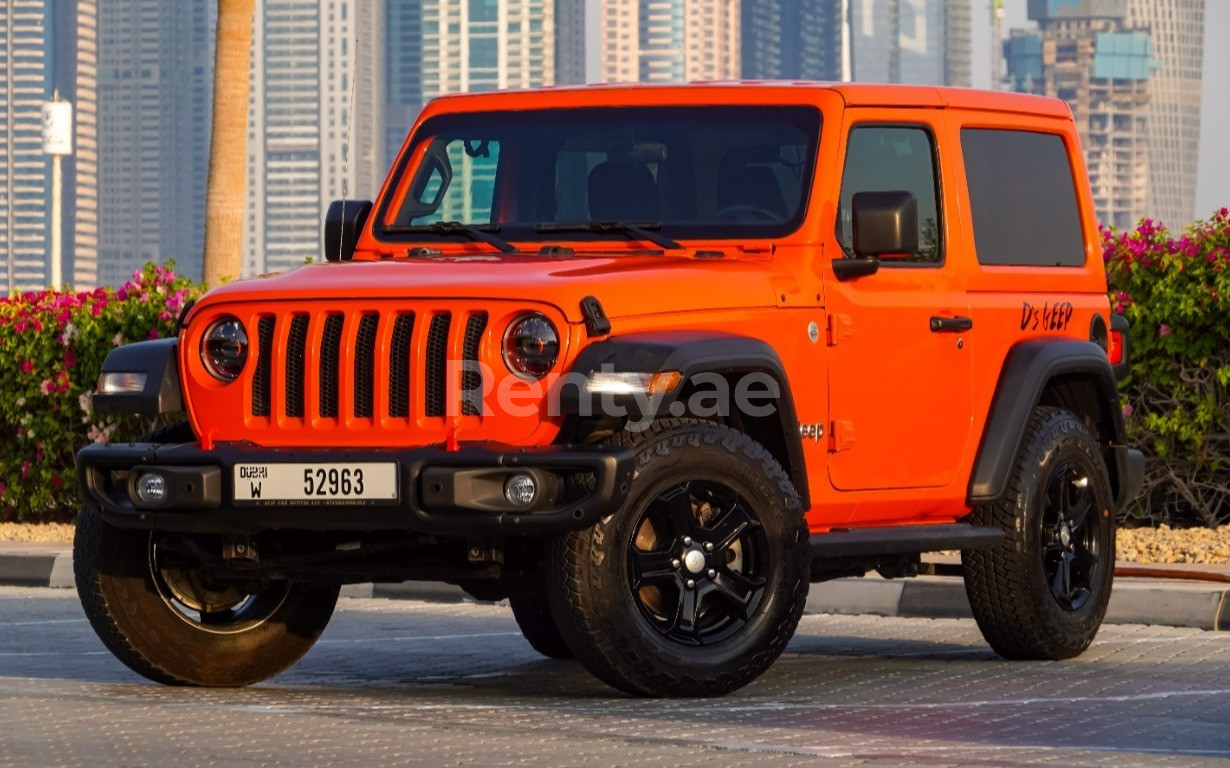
x=1175, y=292
x=52, y=347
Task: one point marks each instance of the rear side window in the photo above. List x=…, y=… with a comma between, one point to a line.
x=1023, y=199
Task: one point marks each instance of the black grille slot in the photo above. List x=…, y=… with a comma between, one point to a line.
x=471, y=374
x=437, y=364
x=330, y=348
x=399, y=367
x=295, y=350
x=264, y=360
x=364, y=358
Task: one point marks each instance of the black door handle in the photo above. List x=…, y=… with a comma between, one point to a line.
x=951, y=324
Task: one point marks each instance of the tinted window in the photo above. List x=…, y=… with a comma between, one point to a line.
x=697, y=172
x=1023, y=199
x=892, y=159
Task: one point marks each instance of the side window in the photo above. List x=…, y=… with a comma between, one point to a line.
x=893, y=159
x=1022, y=199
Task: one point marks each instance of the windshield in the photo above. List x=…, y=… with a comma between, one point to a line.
x=683, y=172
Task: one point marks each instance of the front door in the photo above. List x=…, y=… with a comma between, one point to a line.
x=899, y=370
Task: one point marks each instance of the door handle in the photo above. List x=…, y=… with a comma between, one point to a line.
x=951, y=324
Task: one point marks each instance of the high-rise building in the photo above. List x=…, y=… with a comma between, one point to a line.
x=153, y=64
x=403, y=73
x=1086, y=53
x=27, y=71
x=570, y=25
x=795, y=40
x=304, y=149
x=669, y=41
x=1177, y=30
x=448, y=46
x=484, y=45
x=925, y=42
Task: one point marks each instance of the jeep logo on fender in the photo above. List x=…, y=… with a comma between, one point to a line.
x=1048, y=317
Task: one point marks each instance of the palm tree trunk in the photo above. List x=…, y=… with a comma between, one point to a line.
x=224, y=197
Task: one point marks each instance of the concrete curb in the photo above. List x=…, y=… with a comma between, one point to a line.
x=1168, y=602
x=1146, y=601
x=37, y=569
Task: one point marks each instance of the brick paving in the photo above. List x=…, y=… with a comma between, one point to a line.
x=408, y=683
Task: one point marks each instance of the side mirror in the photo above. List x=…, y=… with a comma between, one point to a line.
x=885, y=224
x=344, y=221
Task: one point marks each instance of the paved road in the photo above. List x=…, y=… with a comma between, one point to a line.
x=404, y=683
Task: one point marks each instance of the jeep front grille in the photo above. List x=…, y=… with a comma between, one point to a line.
x=348, y=343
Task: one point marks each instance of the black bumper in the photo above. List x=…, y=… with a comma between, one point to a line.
x=439, y=492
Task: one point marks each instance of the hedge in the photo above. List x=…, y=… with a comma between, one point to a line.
x=52, y=346
x=1174, y=290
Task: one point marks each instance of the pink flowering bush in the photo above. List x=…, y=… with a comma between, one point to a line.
x=1175, y=292
x=52, y=347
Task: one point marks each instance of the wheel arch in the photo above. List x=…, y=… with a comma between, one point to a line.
x=1065, y=373
x=704, y=359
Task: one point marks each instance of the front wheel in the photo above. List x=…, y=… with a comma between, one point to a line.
x=695, y=586
x=173, y=622
x=1042, y=593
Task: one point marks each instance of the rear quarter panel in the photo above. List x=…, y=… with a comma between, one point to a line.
x=1010, y=303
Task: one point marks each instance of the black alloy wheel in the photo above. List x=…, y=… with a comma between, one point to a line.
x=698, y=562
x=1070, y=548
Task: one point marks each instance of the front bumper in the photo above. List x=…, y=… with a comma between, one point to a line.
x=439, y=492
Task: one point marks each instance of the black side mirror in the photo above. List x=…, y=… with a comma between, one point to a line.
x=344, y=221
x=885, y=224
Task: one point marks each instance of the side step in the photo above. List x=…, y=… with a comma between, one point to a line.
x=902, y=540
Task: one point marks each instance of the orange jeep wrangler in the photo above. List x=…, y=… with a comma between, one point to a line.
x=644, y=361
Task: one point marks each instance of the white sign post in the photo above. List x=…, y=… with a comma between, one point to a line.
x=57, y=142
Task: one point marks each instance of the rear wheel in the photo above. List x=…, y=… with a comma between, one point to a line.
x=170, y=620
x=1042, y=593
x=696, y=585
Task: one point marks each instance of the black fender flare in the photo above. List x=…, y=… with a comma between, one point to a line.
x=691, y=353
x=1028, y=368
x=158, y=360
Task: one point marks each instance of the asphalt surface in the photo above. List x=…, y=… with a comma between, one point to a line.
x=402, y=682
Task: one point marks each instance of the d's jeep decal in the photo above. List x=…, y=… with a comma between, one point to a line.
x=1048, y=317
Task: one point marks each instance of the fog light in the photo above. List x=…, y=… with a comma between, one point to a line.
x=520, y=490
x=152, y=488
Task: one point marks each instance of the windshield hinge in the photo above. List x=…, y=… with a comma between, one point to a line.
x=596, y=321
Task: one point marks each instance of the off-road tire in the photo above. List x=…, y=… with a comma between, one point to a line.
x=534, y=618
x=133, y=619
x=121, y=598
x=1008, y=587
x=598, y=613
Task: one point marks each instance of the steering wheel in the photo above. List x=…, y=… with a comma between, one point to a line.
x=746, y=212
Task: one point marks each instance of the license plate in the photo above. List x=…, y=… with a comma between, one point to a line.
x=316, y=484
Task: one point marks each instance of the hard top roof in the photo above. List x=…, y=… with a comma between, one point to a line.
x=753, y=91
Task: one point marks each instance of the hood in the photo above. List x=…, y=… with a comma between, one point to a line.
x=627, y=285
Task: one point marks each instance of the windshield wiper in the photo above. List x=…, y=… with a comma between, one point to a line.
x=454, y=228
x=640, y=229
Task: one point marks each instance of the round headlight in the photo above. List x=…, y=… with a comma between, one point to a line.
x=224, y=349
x=531, y=346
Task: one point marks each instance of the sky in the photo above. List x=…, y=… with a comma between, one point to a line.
x=1213, y=179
